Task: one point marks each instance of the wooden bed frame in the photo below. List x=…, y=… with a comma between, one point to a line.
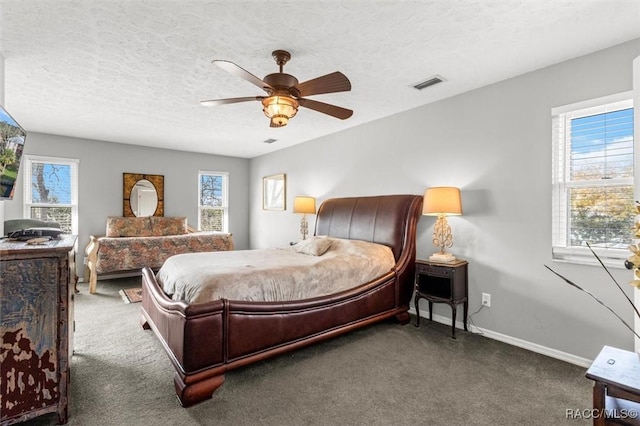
x=205, y=340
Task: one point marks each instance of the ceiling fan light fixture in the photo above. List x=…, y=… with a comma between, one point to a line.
x=285, y=94
x=280, y=109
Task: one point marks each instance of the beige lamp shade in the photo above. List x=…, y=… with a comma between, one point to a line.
x=304, y=205
x=442, y=200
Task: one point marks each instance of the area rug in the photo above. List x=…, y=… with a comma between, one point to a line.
x=131, y=295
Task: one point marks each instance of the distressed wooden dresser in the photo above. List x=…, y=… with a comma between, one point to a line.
x=36, y=328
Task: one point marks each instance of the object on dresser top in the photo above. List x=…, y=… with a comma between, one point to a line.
x=131, y=243
x=30, y=233
x=11, y=225
x=38, y=241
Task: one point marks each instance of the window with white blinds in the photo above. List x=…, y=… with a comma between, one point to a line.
x=212, y=203
x=51, y=191
x=593, y=167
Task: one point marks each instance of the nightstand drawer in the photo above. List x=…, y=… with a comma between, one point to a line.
x=439, y=271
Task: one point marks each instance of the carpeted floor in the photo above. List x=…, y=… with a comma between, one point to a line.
x=385, y=374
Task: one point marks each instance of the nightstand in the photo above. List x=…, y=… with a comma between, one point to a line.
x=442, y=283
x=616, y=388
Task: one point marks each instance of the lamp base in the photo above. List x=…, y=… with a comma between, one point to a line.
x=442, y=257
x=304, y=226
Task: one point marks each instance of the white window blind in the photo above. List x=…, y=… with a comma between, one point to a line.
x=51, y=191
x=213, y=211
x=593, y=172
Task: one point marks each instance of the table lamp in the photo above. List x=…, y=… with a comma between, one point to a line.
x=442, y=201
x=304, y=205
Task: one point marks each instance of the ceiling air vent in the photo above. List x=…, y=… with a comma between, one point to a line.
x=429, y=82
x=270, y=140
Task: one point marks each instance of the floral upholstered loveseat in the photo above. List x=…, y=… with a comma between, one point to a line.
x=132, y=243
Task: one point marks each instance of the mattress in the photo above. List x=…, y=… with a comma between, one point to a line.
x=275, y=274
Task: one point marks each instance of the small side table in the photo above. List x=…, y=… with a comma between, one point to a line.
x=442, y=283
x=616, y=388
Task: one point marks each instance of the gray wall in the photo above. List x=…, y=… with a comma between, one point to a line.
x=100, y=182
x=495, y=144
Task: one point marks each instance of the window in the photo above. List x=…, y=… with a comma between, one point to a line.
x=593, y=167
x=212, y=202
x=51, y=191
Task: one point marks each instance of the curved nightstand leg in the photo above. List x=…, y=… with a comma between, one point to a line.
x=466, y=313
x=430, y=310
x=454, y=311
x=417, y=310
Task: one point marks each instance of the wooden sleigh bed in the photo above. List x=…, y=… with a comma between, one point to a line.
x=204, y=340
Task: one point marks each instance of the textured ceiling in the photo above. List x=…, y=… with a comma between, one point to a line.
x=135, y=71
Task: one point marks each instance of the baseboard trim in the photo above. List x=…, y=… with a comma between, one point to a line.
x=514, y=341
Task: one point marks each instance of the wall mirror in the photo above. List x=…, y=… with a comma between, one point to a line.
x=143, y=195
x=274, y=190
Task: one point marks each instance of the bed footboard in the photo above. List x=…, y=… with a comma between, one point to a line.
x=206, y=340
x=259, y=330
x=192, y=335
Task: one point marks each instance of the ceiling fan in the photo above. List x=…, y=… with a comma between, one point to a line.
x=284, y=94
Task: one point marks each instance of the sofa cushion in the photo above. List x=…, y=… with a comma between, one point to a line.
x=145, y=226
x=162, y=226
x=128, y=227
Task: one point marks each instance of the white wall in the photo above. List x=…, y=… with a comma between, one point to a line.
x=495, y=144
x=100, y=182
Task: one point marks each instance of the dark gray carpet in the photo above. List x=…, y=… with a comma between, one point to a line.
x=381, y=375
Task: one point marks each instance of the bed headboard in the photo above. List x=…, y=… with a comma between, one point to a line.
x=386, y=219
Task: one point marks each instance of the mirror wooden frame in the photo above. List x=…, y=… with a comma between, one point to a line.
x=129, y=180
x=274, y=200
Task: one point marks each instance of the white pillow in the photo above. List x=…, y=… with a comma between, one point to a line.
x=314, y=246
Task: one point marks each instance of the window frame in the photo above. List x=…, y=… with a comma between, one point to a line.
x=561, y=182
x=225, y=199
x=28, y=203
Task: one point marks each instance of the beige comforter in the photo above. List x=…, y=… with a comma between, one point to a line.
x=275, y=274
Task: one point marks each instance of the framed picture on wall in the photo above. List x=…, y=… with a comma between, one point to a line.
x=274, y=192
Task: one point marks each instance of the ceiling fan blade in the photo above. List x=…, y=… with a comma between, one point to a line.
x=330, y=83
x=242, y=73
x=333, y=110
x=216, y=102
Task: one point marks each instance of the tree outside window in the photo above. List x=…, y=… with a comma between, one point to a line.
x=212, y=209
x=593, y=194
x=51, y=191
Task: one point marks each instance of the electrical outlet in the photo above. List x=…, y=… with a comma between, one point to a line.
x=486, y=300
